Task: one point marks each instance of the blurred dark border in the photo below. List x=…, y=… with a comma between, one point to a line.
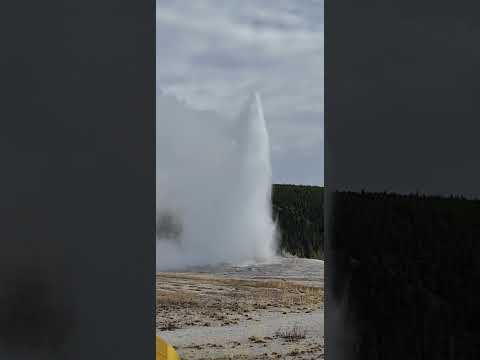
x=402, y=110
x=77, y=211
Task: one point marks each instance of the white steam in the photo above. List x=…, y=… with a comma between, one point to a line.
x=214, y=181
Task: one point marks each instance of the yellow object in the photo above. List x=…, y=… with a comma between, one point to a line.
x=165, y=351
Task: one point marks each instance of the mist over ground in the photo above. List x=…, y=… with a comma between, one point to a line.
x=213, y=185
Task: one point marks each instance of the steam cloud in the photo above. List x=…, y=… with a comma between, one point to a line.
x=213, y=186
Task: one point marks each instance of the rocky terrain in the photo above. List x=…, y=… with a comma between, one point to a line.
x=270, y=310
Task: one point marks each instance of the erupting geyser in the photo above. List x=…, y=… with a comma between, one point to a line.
x=213, y=186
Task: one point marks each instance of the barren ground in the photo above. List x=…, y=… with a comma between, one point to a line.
x=263, y=311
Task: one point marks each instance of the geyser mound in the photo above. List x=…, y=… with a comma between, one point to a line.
x=213, y=186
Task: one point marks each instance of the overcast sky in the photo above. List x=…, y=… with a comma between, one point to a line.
x=212, y=53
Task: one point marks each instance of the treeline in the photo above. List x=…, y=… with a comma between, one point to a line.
x=169, y=225
x=298, y=211
x=409, y=268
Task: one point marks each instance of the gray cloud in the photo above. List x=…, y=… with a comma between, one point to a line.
x=212, y=53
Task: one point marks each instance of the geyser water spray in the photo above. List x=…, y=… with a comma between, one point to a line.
x=213, y=186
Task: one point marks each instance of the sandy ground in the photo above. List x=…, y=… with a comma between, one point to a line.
x=263, y=311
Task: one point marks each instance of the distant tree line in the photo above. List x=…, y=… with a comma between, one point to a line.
x=409, y=268
x=298, y=211
x=169, y=225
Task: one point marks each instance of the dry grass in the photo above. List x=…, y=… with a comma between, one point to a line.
x=291, y=297
x=274, y=284
x=260, y=293
x=295, y=333
x=177, y=298
x=185, y=300
x=194, y=300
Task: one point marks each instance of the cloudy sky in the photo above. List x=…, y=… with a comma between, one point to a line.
x=212, y=53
